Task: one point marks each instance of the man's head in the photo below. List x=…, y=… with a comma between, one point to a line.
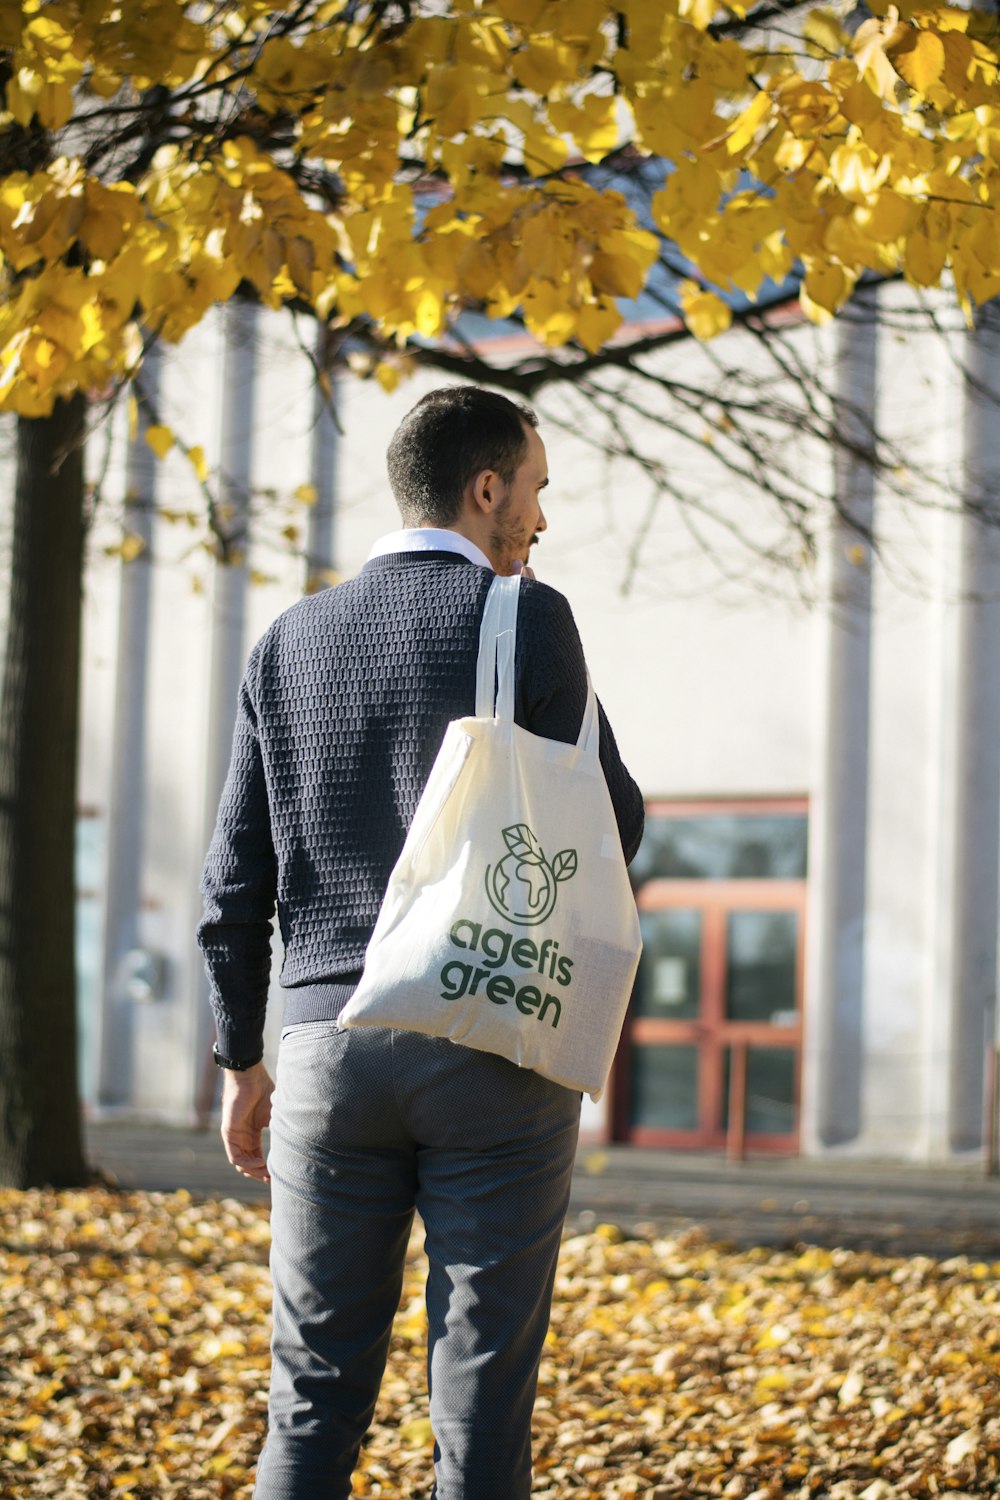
x=470, y=460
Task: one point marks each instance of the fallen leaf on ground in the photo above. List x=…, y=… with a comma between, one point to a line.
x=134, y=1362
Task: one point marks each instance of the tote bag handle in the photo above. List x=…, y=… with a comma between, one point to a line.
x=497, y=639
x=497, y=642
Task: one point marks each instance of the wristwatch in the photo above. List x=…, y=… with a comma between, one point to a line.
x=231, y=1062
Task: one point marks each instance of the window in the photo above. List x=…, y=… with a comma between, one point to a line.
x=712, y=1048
x=722, y=846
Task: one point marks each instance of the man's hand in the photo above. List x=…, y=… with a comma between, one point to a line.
x=246, y=1109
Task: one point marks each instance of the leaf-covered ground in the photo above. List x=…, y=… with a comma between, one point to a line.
x=133, y=1363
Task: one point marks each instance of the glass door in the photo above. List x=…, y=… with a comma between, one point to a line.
x=712, y=1046
x=666, y=1020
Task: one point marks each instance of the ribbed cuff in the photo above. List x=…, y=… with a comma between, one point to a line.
x=241, y=1043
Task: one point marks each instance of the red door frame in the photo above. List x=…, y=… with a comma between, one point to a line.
x=710, y=1031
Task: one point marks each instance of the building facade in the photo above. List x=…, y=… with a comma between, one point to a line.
x=818, y=885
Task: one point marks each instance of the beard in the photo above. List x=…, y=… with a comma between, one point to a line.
x=509, y=541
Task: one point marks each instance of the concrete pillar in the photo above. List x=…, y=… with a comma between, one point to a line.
x=972, y=998
x=123, y=884
x=839, y=808
x=931, y=1141
x=227, y=644
x=324, y=454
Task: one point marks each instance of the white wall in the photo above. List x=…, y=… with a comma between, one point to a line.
x=708, y=668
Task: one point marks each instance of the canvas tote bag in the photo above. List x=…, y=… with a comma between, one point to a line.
x=509, y=924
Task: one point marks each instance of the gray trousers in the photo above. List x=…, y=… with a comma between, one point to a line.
x=366, y=1126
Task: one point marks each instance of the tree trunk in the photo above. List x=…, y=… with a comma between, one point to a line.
x=40, y=1127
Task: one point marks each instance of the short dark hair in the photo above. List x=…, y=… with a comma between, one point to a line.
x=450, y=436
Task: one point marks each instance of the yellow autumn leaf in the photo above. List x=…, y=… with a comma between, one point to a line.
x=387, y=375
x=128, y=549
x=814, y=311
x=596, y=323
x=887, y=216
x=700, y=13
x=922, y=65
x=592, y=125
x=429, y=312
x=773, y=1337
x=544, y=64
x=548, y=313
x=524, y=12
x=417, y=1434
x=620, y=275
x=824, y=30
x=924, y=258
x=595, y=1162
x=544, y=152
x=160, y=439
x=858, y=171
x=827, y=286
x=220, y=1462
x=300, y=258
x=11, y=20
x=198, y=462
x=869, y=47
x=748, y=123
x=959, y=54
x=705, y=313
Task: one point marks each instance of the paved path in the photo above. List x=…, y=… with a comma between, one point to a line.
x=883, y=1206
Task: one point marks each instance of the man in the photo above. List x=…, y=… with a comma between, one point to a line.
x=341, y=713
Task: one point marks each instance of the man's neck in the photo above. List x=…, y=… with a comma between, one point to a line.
x=473, y=528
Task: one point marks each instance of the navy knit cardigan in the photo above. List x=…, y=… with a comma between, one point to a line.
x=341, y=713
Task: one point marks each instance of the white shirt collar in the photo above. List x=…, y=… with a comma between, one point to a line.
x=430, y=539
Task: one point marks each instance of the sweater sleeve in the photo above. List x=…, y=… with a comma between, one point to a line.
x=238, y=888
x=552, y=681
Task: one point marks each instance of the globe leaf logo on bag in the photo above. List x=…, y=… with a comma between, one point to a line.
x=523, y=885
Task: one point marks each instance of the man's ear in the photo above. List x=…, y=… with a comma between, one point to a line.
x=484, y=490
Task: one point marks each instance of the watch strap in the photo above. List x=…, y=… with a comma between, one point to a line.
x=234, y=1065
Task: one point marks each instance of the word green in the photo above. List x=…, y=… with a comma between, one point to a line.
x=459, y=979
